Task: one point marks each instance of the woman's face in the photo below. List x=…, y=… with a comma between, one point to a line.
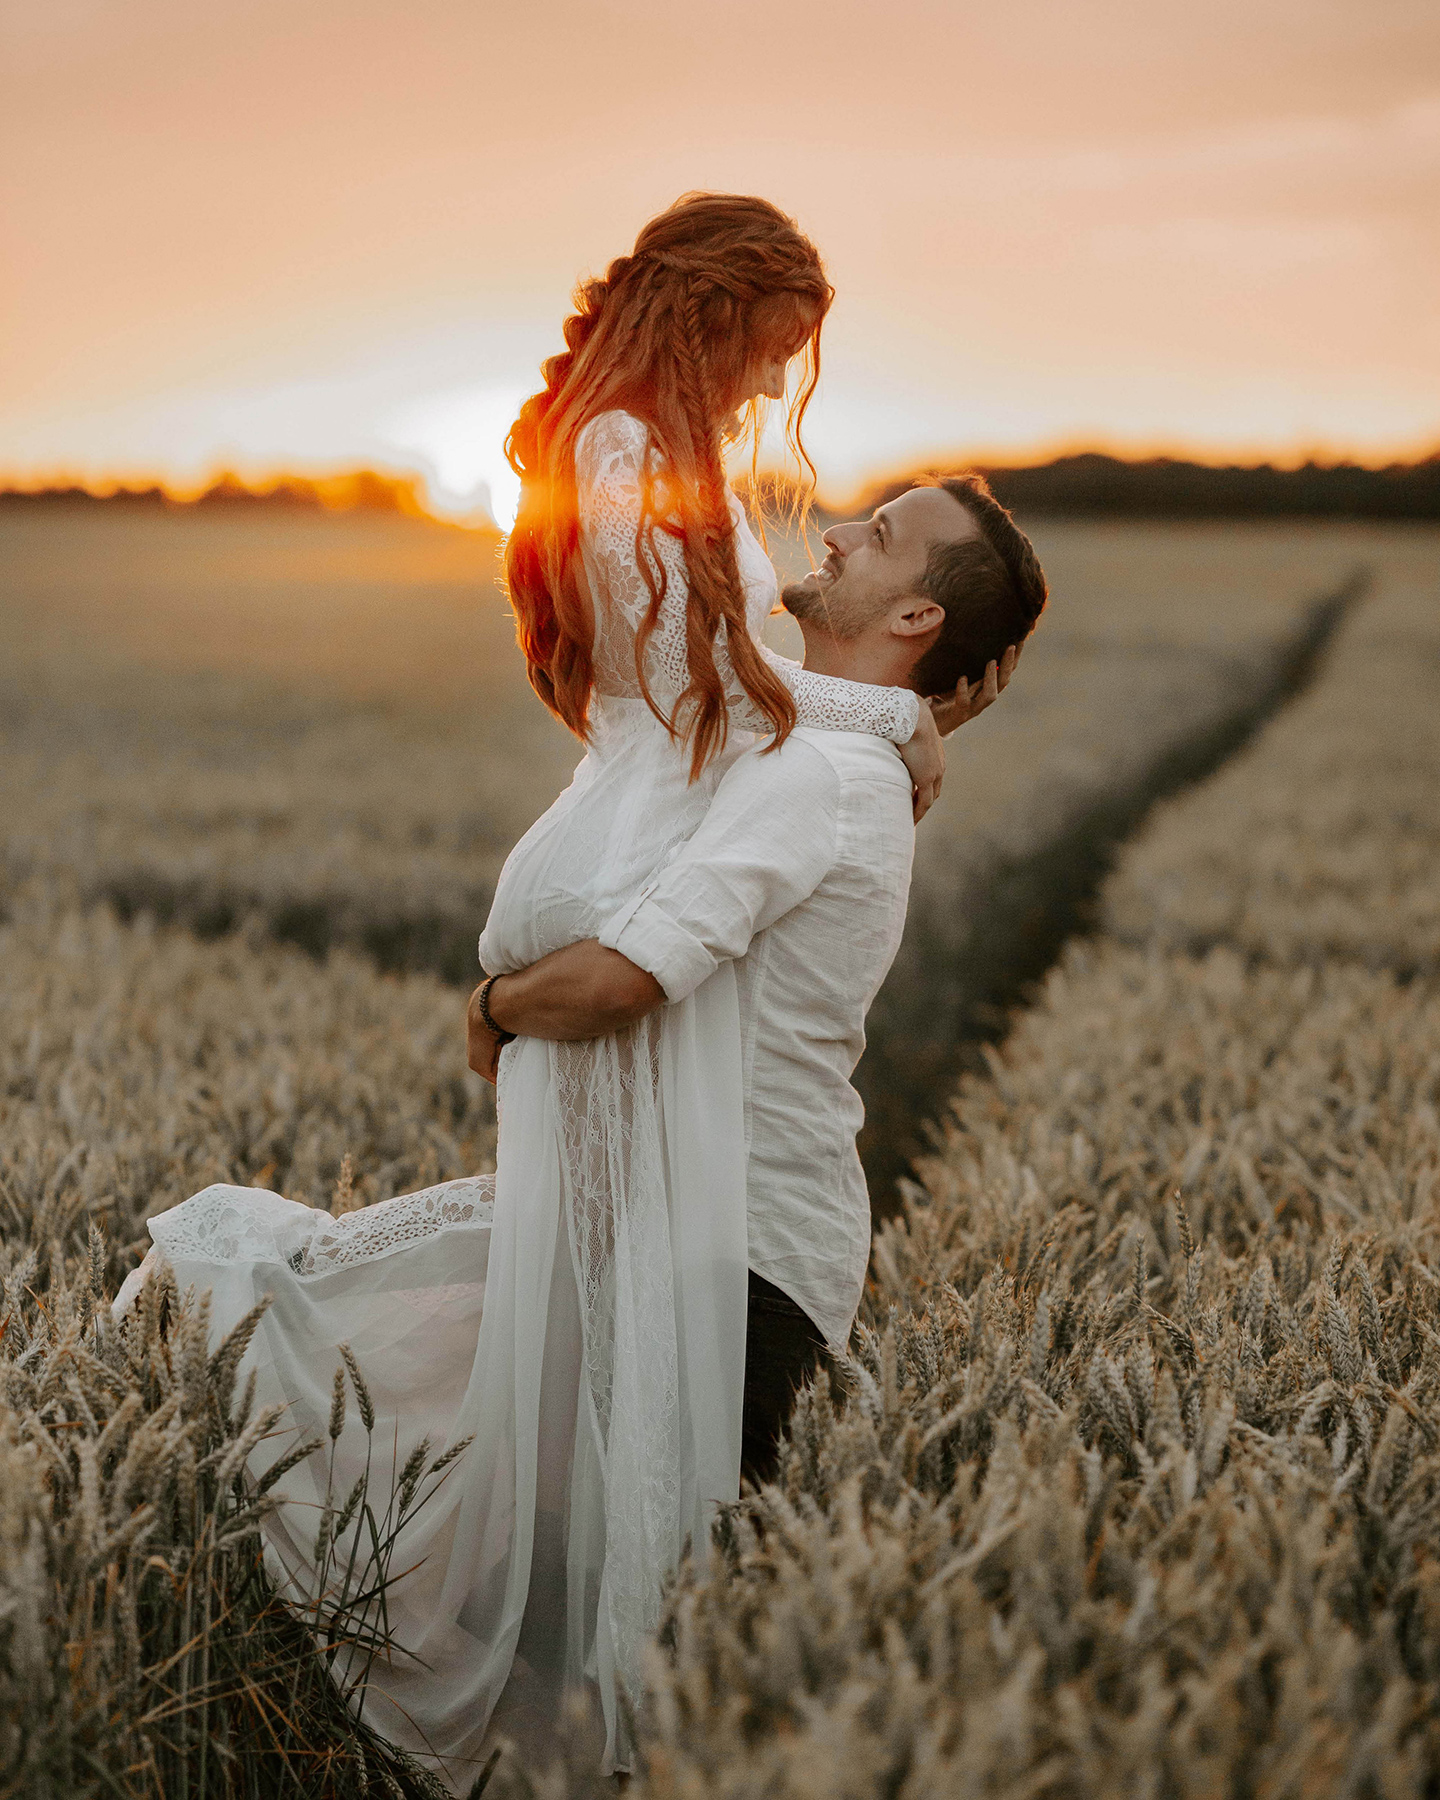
x=764, y=377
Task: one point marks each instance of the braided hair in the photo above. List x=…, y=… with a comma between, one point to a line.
x=667, y=334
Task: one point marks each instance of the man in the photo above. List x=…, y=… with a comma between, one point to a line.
x=800, y=872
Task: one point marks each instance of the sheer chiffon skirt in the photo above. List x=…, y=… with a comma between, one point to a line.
x=579, y=1317
x=648, y=1130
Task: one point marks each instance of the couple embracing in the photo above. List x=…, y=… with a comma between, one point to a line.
x=681, y=953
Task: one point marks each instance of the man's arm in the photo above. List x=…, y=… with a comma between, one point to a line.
x=582, y=991
x=765, y=843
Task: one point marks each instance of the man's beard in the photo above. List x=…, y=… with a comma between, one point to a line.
x=826, y=606
x=804, y=600
x=817, y=602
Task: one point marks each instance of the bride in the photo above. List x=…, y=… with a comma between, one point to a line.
x=577, y=1320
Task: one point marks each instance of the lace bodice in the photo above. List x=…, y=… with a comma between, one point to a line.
x=609, y=461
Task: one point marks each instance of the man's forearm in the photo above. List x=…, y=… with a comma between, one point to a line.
x=582, y=991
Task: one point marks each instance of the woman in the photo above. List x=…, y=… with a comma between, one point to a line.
x=599, y=1383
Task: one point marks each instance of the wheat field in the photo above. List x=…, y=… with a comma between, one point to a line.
x=1131, y=1483
x=321, y=722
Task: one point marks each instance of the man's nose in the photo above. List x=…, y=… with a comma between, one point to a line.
x=842, y=539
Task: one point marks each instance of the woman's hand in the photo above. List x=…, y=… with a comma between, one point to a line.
x=924, y=757
x=970, y=699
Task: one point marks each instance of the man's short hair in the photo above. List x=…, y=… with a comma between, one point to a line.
x=991, y=587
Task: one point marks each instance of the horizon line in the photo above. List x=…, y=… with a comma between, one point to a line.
x=405, y=490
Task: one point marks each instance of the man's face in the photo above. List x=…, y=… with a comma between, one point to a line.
x=872, y=563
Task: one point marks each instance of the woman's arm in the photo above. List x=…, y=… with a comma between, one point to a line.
x=832, y=703
x=610, y=458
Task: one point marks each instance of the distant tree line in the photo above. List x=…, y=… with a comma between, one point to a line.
x=1088, y=485
x=362, y=490
x=1094, y=485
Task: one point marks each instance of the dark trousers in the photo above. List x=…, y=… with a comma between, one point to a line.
x=782, y=1349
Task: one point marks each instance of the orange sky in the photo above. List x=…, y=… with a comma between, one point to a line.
x=300, y=232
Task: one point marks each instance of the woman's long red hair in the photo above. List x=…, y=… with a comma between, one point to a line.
x=668, y=333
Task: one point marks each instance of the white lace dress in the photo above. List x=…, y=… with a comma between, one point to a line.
x=581, y=1314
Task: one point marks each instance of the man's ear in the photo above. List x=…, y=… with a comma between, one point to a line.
x=914, y=616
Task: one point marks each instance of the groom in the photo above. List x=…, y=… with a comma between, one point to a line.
x=800, y=871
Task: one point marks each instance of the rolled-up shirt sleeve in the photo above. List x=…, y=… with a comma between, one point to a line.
x=765, y=845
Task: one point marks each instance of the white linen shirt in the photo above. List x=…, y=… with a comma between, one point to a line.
x=800, y=871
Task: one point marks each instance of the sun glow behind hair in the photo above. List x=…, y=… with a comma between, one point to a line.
x=456, y=439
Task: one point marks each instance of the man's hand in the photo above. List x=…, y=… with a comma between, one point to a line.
x=951, y=711
x=481, y=1044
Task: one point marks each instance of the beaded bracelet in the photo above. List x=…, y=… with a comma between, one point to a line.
x=505, y=1037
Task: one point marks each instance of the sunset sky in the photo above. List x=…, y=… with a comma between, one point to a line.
x=309, y=233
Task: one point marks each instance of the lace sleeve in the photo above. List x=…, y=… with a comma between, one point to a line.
x=609, y=476
x=829, y=702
